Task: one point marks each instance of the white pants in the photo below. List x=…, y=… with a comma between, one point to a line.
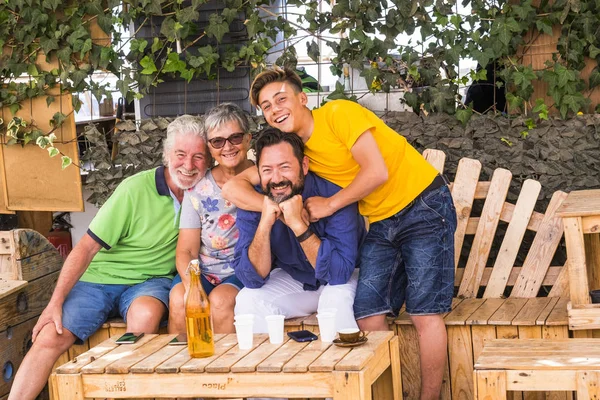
x=284, y=295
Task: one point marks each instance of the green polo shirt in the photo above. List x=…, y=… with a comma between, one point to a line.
x=137, y=228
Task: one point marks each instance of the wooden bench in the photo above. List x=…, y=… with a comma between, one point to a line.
x=496, y=296
x=538, y=364
x=152, y=368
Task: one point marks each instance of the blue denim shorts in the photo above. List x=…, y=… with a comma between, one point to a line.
x=89, y=305
x=409, y=257
x=208, y=286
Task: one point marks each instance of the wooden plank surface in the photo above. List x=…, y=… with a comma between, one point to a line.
x=460, y=353
x=411, y=365
x=198, y=365
x=581, y=203
x=98, y=366
x=360, y=356
x=9, y=287
x=491, y=385
x=560, y=288
x=276, y=361
x=234, y=354
x=541, y=318
x=150, y=363
x=558, y=315
x=28, y=302
x=463, y=194
x=463, y=311
x=250, y=362
x=75, y=365
x=578, y=278
x=588, y=384
x=550, y=279
x=173, y=365
x=541, y=252
x=528, y=315
x=122, y=365
x=485, y=312
x=301, y=361
x=328, y=359
x=436, y=158
x=482, y=243
x=511, y=243
x=507, y=311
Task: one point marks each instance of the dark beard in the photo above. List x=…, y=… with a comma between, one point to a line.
x=296, y=189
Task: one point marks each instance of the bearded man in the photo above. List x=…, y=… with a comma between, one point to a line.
x=124, y=264
x=289, y=266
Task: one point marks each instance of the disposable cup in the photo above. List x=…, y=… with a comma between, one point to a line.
x=326, y=326
x=245, y=338
x=275, y=327
x=243, y=317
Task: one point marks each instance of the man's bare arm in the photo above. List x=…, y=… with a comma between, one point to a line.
x=240, y=190
x=373, y=172
x=188, y=247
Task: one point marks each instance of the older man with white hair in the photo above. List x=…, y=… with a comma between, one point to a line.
x=124, y=264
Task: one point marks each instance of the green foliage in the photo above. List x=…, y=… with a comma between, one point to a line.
x=61, y=43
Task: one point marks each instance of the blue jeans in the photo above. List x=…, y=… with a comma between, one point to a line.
x=89, y=305
x=409, y=257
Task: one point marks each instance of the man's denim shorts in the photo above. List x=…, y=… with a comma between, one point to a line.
x=409, y=257
x=89, y=305
x=208, y=286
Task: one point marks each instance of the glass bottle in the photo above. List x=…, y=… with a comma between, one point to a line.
x=198, y=320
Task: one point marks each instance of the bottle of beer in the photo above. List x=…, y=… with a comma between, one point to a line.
x=198, y=320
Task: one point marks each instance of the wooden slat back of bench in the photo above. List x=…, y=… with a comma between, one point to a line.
x=478, y=277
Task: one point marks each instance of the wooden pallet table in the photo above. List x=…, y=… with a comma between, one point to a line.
x=581, y=220
x=536, y=365
x=152, y=368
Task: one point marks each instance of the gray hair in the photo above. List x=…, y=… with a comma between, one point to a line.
x=183, y=125
x=224, y=113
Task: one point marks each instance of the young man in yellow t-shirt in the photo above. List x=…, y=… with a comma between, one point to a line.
x=408, y=255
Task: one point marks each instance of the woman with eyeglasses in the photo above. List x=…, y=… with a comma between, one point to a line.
x=207, y=229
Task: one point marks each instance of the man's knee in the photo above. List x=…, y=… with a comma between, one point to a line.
x=145, y=313
x=177, y=300
x=49, y=339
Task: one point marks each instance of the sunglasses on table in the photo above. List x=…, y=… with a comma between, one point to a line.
x=234, y=139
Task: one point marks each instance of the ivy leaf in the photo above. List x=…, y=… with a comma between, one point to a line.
x=464, y=115
x=148, y=64
x=594, y=51
x=312, y=49
x=32, y=70
x=57, y=119
x=78, y=77
x=65, y=161
x=48, y=44
x=174, y=64
x=254, y=24
x=49, y=100
x=187, y=74
x=217, y=27
x=53, y=151
x=229, y=14
x=14, y=108
x=87, y=46
x=157, y=44
x=594, y=78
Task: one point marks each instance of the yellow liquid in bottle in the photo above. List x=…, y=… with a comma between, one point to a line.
x=200, y=334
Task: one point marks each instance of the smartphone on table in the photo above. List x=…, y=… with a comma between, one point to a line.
x=179, y=340
x=302, y=336
x=129, y=338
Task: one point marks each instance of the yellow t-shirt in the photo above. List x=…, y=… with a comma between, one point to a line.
x=338, y=124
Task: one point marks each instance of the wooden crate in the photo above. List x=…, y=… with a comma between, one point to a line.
x=29, y=268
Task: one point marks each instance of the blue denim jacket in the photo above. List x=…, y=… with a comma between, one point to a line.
x=341, y=235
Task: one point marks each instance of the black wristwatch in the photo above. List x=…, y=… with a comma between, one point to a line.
x=308, y=233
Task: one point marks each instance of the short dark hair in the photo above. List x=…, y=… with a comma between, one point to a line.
x=272, y=136
x=275, y=74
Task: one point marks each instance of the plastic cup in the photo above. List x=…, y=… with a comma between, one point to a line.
x=275, y=327
x=245, y=338
x=244, y=317
x=326, y=326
